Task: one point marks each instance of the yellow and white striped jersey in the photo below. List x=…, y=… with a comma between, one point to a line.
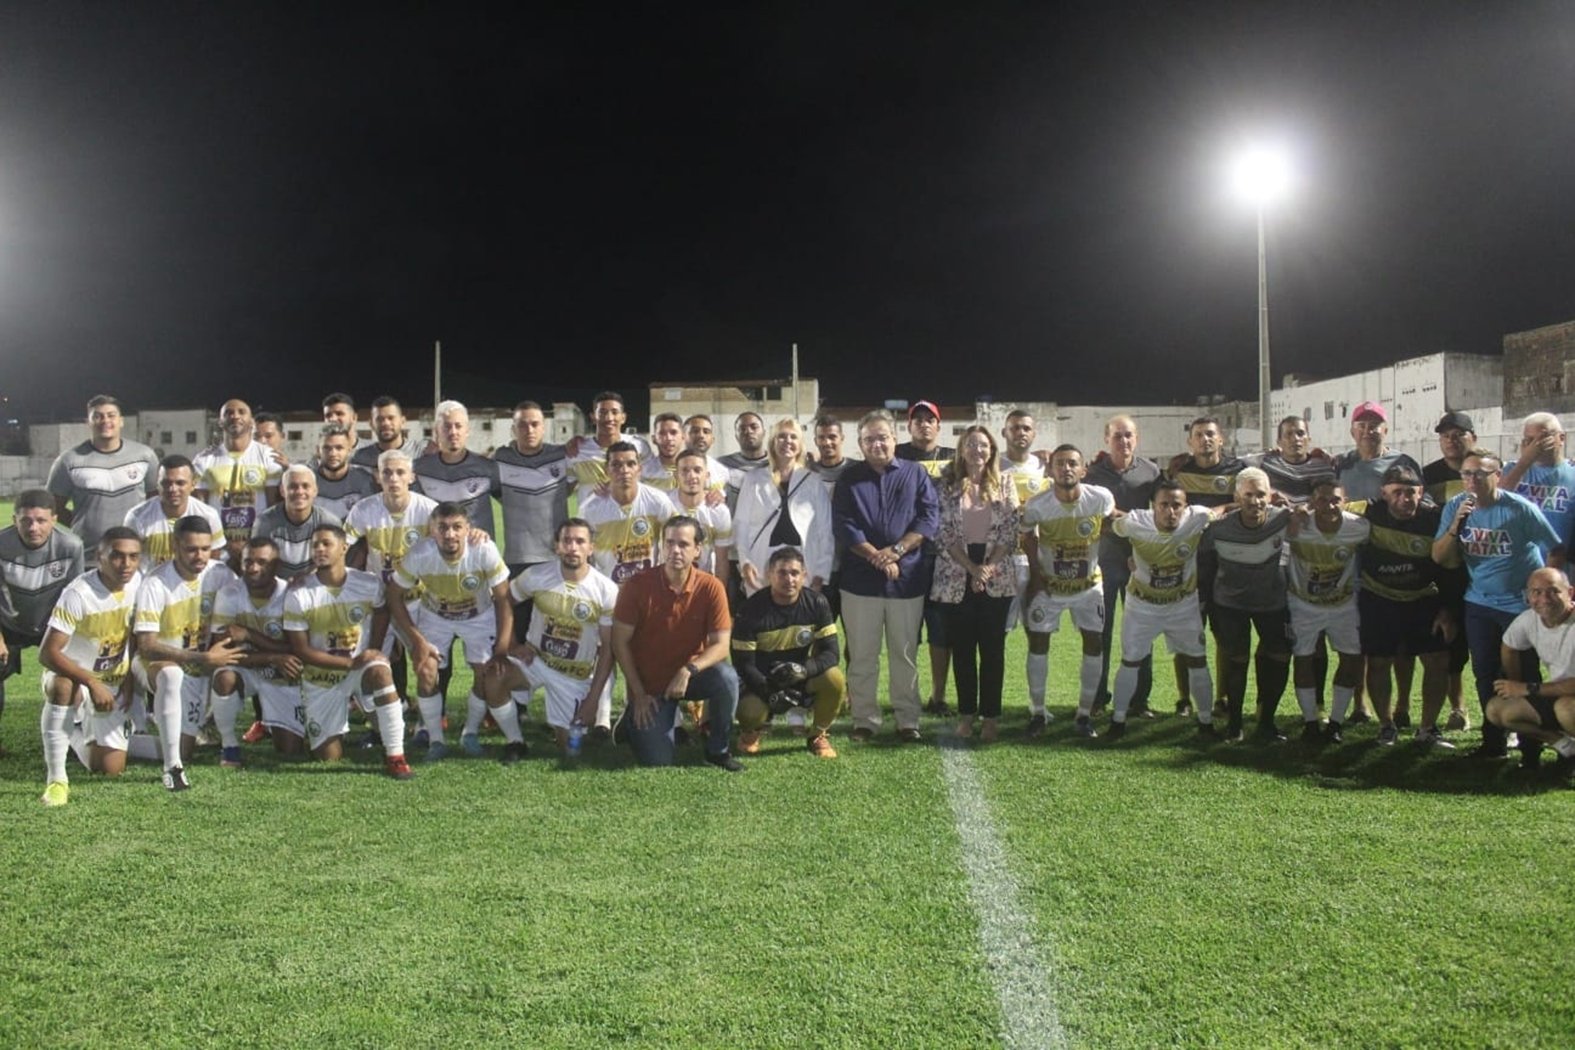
x=97, y=623
x=1322, y=569
x=235, y=604
x=628, y=538
x=665, y=479
x=178, y=611
x=337, y=620
x=718, y=525
x=388, y=535
x=147, y=519
x=1165, y=564
x=589, y=465
x=1068, y=536
x=455, y=590
x=567, y=617
x=237, y=484
x=1028, y=478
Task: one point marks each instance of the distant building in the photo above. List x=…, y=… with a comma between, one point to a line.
x=725, y=400
x=1539, y=370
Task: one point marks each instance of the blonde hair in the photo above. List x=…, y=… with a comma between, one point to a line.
x=955, y=473
x=780, y=470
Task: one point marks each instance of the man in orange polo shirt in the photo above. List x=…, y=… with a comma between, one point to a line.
x=671, y=634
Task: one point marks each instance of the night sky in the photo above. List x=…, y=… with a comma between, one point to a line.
x=198, y=201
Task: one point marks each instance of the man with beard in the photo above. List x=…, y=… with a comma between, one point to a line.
x=829, y=463
x=1294, y=464
x=627, y=521
x=37, y=563
x=454, y=474
x=249, y=611
x=389, y=432
x=1324, y=541
x=339, y=485
x=924, y=448
x=154, y=519
x=240, y=477
x=95, y=483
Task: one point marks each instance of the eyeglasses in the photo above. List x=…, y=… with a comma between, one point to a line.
x=1471, y=474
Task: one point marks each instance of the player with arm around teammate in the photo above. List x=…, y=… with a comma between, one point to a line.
x=250, y=612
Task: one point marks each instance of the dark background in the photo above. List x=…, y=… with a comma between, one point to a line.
x=199, y=201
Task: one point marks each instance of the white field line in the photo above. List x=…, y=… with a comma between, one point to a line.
x=1017, y=965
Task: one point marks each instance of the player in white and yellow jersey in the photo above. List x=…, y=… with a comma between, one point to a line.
x=86, y=655
x=384, y=529
x=587, y=454
x=329, y=615
x=1060, y=535
x=154, y=519
x=628, y=520
x=568, y=647
x=1162, y=598
x=659, y=469
x=174, y=657
x=698, y=497
x=240, y=478
x=250, y=612
x=1026, y=472
x=464, y=588
x=1324, y=541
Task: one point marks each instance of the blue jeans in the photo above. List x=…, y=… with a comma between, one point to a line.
x=717, y=685
x=1484, y=634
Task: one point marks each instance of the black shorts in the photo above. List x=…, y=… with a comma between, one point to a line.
x=935, y=624
x=1391, y=628
x=14, y=644
x=1233, y=630
x=1546, y=717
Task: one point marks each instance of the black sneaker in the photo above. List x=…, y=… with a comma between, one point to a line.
x=1311, y=734
x=1485, y=752
x=938, y=708
x=1084, y=727
x=1267, y=734
x=1183, y=708
x=1140, y=711
x=1097, y=708
x=1233, y=733
x=862, y=734
x=599, y=734
x=175, y=779
x=513, y=751
x=726, y=761
x=1530, y=758
x=1402, y=720
x=1358, y=716
x=1036, y=727
x=1115, y=731
x=1206, y=731
x=1333, y=733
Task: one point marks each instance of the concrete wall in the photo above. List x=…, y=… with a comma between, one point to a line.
x=1539, y=370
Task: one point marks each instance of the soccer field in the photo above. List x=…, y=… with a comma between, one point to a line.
x=1157, y=892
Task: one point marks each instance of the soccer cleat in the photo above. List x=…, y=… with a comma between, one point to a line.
x=396, y=767
x=1358, y=716
x=1084, y=727
x=749, y=743
x=1530, y=758
x=369, y=740
x=1402, y=720
x=255, y=733
x=1116, y=731
x=1311, y=733
x=820, y=746
x=175, y=779
x=909, y=736
x=1206, y=731
x=938, y=708
x=56, y=793
x=1333, y=733
x=1267, y=734
x=470, y=743
x=862, y=734
x=599, y=734
x=1140, y=711
x=725, y=761
x=1183, y=708
x=1233, y=733
x=513, y=751
x=1036, y=727
x=437, y=750
x=1429, y=736
x=1458, y=722
x=421, y=738
x=1388, y=734
x=230, y=758
x=1099, y=705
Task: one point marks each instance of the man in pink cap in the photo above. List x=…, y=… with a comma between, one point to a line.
x=1361, y=470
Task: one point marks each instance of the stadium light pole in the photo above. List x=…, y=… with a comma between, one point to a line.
x=1261, y=176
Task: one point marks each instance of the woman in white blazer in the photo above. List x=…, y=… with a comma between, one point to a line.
x=759, y=525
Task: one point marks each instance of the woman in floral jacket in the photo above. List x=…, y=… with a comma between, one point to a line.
x=974, y=577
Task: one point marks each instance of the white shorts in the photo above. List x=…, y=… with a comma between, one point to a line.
x=280, y=699
x=564, y=692
x=1087, y=609
x=1180, y=622
x=479, y=633
x=1020, y=573
x=193, y=697
x=1340, y=622
x=327, y=706
x=107, y=729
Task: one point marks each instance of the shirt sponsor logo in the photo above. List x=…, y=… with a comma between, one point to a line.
x=1487, y=543
x=470, y=581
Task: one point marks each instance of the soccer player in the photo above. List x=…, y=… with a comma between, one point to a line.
x=1249, y=593
x=884, y=509
x=174, y=658
x=829, y=463
x=1541, y=712
x=240, y=478
x=628, y=520
x=154, y=519
x=86, y=655
x=1130, y=479
x=1441, y=479
x=785, y=652
x=1060, y=533
x=268, y=429
x=694, y=497
x=660, y=468
x=587, y=455
x=37, y=563
x=567, y=650
x=1544, y=475
x=670, y=634
x=1162, y=598
x=534, y=483
x=98, y=481
x=454, y=474
x=1026, y=472
x=749, y=430
x=339, y=485
x=924, y=448
x=1294, y=464
x=249, y=611
x=1324, y=541
x=328, y=615
x=340, y=408
x=1502, y=538
x=389, y=432
x=1361, y=470
x=290, y=524
x=1401, y=609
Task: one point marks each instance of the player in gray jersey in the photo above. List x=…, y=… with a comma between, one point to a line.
x=533, y=489
x=454, y=474
x=390, y=432
x=1249, y=594
x=339, y=485
x=98, y=481
x=290, y=524
x=37, y=561
x=1295, y=464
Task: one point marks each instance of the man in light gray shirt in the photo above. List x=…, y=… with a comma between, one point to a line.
x=98, y=481
x=37, y=561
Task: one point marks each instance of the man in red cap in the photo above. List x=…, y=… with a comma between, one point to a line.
x=1361, y=470
x=924, y=448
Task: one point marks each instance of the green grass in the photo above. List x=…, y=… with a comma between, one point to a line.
x=1181, y=895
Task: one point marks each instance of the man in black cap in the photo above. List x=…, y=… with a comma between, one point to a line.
x=924, y=448
x=1441, y=478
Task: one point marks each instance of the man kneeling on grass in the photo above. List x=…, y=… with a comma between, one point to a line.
x=785, y=650
x=327, y=617
x=670, y=634
x=1541, y=712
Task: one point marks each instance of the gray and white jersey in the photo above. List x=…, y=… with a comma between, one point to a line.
x=1250, y=574
x=294, y=541
x=338, y=495
x=365, y=455
x=102, y=486
x=534, y=493
x=34, y=578
x=471, y=483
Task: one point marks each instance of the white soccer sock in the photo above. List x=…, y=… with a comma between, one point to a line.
x=1340, y=698
x=1038, y=674
x=604, y=707
x=391, y=727
x=52, y=730
x=1088, y=683
x=475, y=711
x=167, y=714
x=226, y=709
x=431, y=708
x=1202, y=693
x=521, y=699
x=1126, y=689
x=507, y=716
x=1307, y=697
x=80, y=746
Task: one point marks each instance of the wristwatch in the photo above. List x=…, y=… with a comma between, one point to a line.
x=1533, y=690
x=692, y=669
x=899, y=548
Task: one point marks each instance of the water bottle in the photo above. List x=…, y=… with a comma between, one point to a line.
x=576, y=737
